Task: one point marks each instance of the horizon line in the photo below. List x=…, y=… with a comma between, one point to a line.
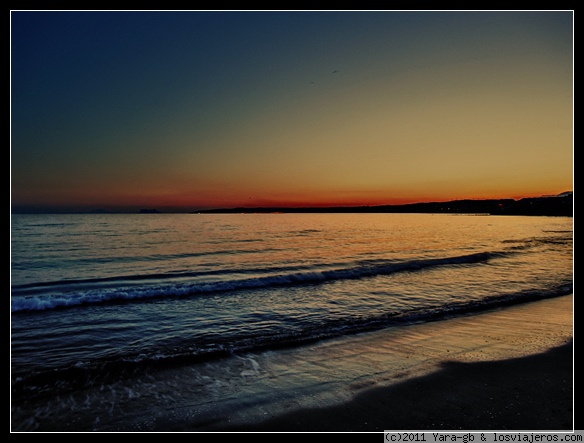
x=133, y=209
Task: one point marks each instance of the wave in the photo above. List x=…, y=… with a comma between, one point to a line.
x=30, y=288
x=92, y=373
x=538, y=241
x=24, y=299
x=92, y=261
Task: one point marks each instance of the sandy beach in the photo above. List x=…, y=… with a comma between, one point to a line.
x=292, y=332
x=509, y=369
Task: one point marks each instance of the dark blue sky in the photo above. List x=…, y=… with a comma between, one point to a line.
x=200, y=109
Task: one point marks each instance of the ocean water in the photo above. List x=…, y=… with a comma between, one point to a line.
x=119, y=321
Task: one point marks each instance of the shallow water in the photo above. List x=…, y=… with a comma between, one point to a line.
x=106, y=308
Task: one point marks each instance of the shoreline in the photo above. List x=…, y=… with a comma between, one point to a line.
x=508, y=369
x=531, y=393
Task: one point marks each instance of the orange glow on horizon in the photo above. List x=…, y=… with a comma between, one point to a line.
x=245, y=111
x=191, y=201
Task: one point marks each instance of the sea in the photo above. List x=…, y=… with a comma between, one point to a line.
x=130, y=322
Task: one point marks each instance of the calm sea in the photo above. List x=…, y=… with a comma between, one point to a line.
x=101, y=301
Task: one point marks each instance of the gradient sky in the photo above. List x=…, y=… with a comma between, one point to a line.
x=191, y=110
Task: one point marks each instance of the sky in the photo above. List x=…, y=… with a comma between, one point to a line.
x=187, y=110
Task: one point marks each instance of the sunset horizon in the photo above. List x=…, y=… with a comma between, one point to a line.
x=410, y=266
x=252, y=203
x=206, y=109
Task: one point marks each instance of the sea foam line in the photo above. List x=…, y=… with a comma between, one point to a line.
x=114, y=366
x=39, y=302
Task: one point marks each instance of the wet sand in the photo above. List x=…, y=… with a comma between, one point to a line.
x=529, y=393
x=510, y=369
x=506, y=369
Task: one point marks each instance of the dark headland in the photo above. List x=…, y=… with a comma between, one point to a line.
x=557, y=205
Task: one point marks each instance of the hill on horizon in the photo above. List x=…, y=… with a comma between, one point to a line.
x=556, y=205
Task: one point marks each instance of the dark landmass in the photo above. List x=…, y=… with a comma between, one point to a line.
x=559, y=205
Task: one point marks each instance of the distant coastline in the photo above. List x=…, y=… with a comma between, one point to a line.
x=557, y=205
x=552, y=205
